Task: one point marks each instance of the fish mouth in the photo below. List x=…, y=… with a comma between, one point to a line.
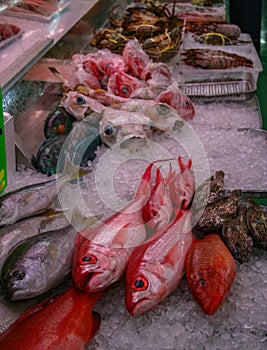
x=136, y=308
x=133, y=142
x=82, y=281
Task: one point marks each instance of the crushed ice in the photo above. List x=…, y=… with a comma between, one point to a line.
x=178, y=322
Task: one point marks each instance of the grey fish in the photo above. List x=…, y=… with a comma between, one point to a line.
x=33, y=199
x=12, y=235
x=38, y=264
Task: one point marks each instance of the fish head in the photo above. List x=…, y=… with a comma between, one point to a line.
x=96, y=267
x=179, y=101
x=210, y=287
x=24, y=280
x=145, y=287
x=8, y=211
x=125, y=128
x=75, y=103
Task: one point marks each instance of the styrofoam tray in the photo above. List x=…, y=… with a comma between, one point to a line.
x=10, y=40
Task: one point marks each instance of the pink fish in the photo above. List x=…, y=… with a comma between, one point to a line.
x=210, y=271
x=157, y=75
x=182, y=186
x=156, y=267
x=123, y=84
x=175, y=98
x=158, y=210
x=135, y=57
x=109, y=63
x=82, y=74
x=102, y=253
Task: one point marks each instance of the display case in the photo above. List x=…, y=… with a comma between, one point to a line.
x=225, y=134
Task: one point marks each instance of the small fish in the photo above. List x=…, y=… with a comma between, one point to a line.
x=156, y=267
x=210, y=271
x=65, y=321
x=38, y=264
x=34, y=199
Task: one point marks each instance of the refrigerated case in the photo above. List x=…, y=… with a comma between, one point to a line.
x=226, y=112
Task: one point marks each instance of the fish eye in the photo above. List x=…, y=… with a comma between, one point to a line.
x=80, y=100
x=163, y=108
x=139, y=284
x=125, y=90
x=88, y=259
x=19, y=275
x=202, y=283
x=109, y=129
x=154, y=213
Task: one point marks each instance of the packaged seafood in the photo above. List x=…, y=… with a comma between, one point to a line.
x=43, y=11
x=216, y=72
x=8, y=34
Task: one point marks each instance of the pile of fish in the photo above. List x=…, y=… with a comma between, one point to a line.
x=145, y=92
x=150, y=242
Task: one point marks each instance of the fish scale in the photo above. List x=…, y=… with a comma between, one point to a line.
x=210, y=271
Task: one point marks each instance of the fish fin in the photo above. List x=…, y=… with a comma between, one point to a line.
x=78, y=218
x=35, y=308
x=28, y=197
x=122, y=236
x=96, y=318
x=72, y=171
x=173, y=254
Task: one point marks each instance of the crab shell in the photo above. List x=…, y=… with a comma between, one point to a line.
x=124, y=128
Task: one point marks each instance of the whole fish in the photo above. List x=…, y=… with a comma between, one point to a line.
x=34, y=199
x=101, y=254
x=210, y=271
x=38, y=264
x=63, y=322
x=175, y=98
x=156, y=267
x=158, y=210
x=12, y=235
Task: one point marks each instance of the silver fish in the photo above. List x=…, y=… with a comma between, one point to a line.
x=38, y=264
x=33, y=199
x=12, y=235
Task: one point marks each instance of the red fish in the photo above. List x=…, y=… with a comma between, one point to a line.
x=182, y=186
x=123, y=84
x=210, y=271
x=175, y=98
x=156, y=267
x=158, y=210
x=135, y=57
x=63, y=322
x=102, y=253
